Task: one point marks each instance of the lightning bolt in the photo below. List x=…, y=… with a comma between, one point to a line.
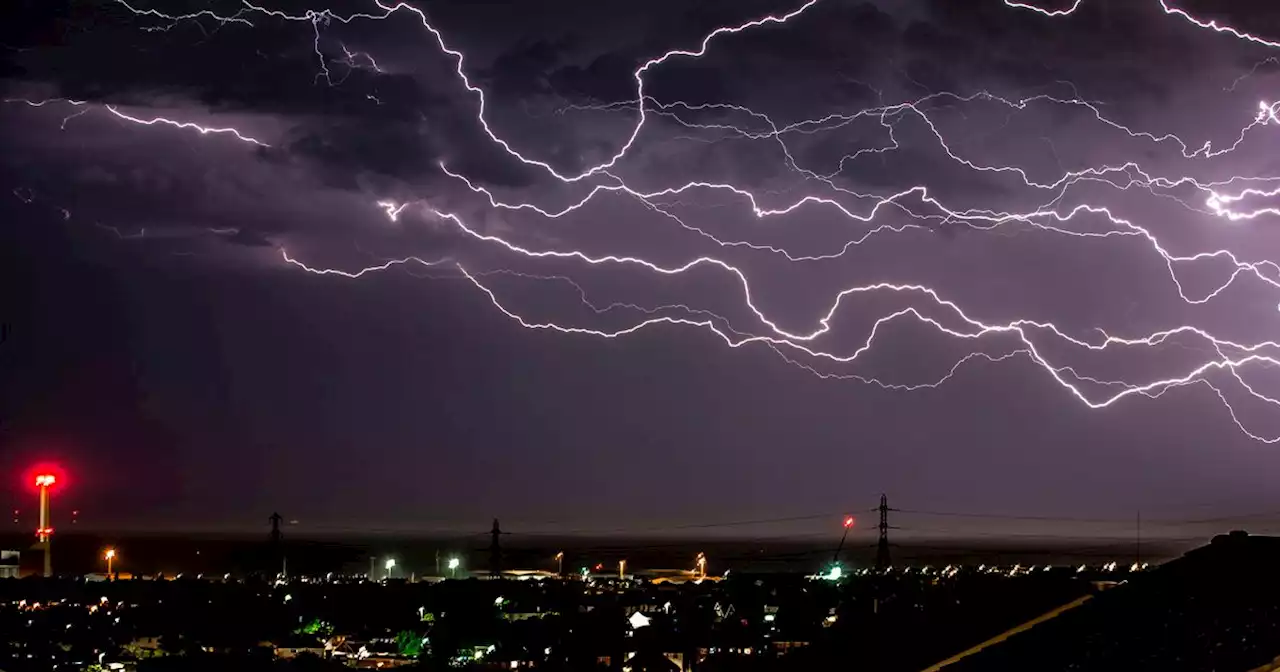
x=1222, y=361
x=203, y=130
x=115, y=111
x=1164, y=6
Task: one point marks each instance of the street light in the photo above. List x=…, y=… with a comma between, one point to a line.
x=560, y=563
x=110, y=555
x=390, y=565
x=701, y=564
x=453, y=566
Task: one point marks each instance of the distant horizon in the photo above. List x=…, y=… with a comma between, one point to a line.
x=610, y=544
x=232, y=533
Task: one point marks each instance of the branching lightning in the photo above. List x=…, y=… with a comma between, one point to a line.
x=1221, y=202
x=83, y=107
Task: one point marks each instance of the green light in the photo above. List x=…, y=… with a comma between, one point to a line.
x=834, y=573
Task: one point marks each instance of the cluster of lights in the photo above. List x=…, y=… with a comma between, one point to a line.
x=835, y=572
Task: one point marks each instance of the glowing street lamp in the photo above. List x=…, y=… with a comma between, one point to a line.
x=560, y=563
x=110, y=555
x=390, y=564
x=453, y=566
x=701, y=564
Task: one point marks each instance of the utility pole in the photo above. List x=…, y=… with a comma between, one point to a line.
x=1138, y=562
x=277, y=541
x=882, y=549
x=495, y=551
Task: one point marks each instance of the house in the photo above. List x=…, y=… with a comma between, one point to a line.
x=297, y=645
x=144, y=647
x=379, y=662
x=9, y=564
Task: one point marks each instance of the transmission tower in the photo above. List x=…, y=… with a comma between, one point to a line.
x=495, y=551
x=882, y=549
x=277, y=540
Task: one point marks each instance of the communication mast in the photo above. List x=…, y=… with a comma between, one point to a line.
x=495, y=551
x=277, y=542
x=44, y=533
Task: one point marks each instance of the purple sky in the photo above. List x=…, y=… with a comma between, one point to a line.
x=680, y=347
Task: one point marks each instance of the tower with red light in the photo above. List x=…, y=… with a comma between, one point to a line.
x=44, y=533
x=848, y=525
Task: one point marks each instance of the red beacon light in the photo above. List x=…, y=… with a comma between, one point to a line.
x=848, y=521
x=45, y=480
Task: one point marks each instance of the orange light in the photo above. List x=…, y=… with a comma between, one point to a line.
x=848, y=522
x=45, y=480
x=111, y=553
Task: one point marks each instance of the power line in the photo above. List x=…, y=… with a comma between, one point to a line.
x=692, y=526
x=998, y=516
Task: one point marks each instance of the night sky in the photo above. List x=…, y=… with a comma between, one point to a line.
x=857, y=247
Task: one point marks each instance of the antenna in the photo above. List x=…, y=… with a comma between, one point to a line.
x=277, y=542
x=495, y=551
x=848, y=525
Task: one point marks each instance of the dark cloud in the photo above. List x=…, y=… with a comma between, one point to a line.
x=607, y=79
x=249, y=239
x=348, y=148
x=285, y=369
x=524, y=70
x=1110, y=50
